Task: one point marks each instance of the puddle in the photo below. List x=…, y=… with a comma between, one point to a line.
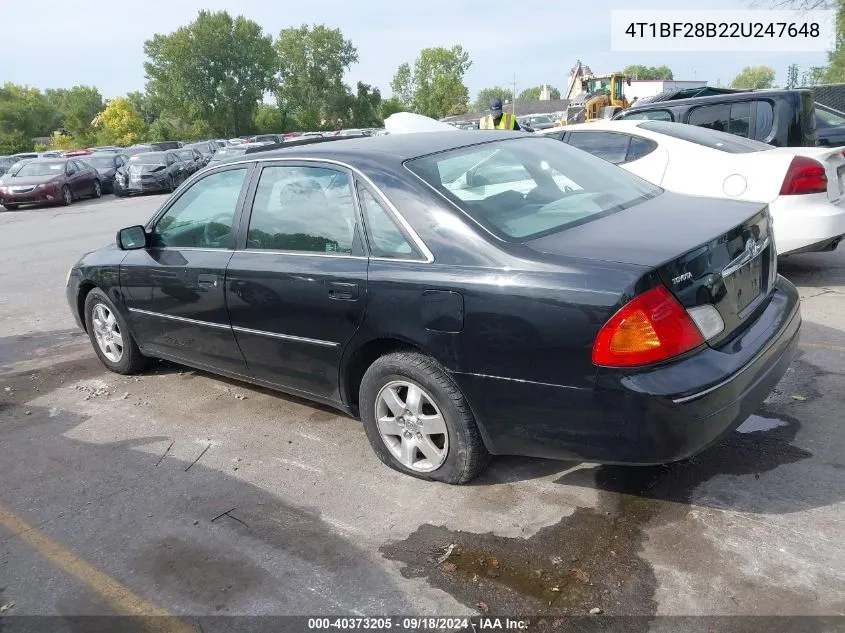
x=591, y=558
x=760, y=423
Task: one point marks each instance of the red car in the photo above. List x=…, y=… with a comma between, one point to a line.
x=49, y=181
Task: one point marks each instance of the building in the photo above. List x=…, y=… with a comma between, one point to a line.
x=642, y=88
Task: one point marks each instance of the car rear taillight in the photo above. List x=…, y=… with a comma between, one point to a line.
x=650, y=328
x=804, y=175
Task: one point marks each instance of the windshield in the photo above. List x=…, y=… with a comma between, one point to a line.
x=101, y=162
x=714, y=139
x=149, y=158
x=186, y=155
x=46, y=168
x=524, y=188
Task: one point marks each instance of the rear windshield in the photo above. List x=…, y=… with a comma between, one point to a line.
x=722, y=141
x=148, y=158
x=524, y=188
x=46, y=168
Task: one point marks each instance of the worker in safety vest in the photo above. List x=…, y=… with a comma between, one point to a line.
x=497, y=119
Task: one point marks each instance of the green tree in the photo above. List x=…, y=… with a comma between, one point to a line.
x=268, y=119
x=835, y=71
x=390, y=106
x=436, y=87
x=754, y=78
x=76, y=108
x=640, y=71
x=146, y=104
x=486, y=96
x=216, y=69
x=120, y=124
x=25, y=113
x=311, y=64
x=533, y=94
x=366, y=108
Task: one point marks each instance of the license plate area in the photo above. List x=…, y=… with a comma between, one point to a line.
x=746, y=284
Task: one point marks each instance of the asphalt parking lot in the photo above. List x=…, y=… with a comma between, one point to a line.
x=179, y=492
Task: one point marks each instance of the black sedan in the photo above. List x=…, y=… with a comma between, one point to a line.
x=193, y=160
x=107, y=164
x=150, y=172
x=464, y=293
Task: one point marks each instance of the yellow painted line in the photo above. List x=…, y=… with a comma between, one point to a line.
x=123, y=599
x=834, y=348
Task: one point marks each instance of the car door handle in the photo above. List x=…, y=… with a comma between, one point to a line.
x=343, y=292
x=207, y=281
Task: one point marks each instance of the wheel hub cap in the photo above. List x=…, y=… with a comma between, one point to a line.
x=411, y=426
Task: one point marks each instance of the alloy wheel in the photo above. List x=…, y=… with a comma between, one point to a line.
x=107, y=333
x=412, y=426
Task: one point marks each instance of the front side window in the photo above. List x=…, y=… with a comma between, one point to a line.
x=607, y=145
x=203, y=216
x=545, y=185
x=304, y=209
x=651, y=115
x=385, y=238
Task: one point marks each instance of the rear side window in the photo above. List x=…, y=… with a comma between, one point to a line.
x=640, y=147
x=607, y=145
x=733, y=118
x=384, y=236
x=712, y=117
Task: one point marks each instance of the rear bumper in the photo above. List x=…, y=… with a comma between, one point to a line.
x=804, y=224
x=651, y=417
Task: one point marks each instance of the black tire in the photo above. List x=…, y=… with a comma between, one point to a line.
x=131, y=360
x=98, y=189
x=67, y=196
x=467, y=456
x=11, y=207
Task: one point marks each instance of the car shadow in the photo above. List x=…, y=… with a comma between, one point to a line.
x=184, y=535
x=814, y=269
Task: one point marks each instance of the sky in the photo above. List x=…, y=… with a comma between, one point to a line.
x=62, y=43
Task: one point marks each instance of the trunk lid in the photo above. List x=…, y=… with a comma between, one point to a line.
x=704, y=250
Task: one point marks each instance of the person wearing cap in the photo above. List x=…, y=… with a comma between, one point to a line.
x=497, y=119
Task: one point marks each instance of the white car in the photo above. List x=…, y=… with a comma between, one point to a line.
x=804, y=186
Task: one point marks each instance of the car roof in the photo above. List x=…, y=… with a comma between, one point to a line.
x=399, y=147
x=604, y=124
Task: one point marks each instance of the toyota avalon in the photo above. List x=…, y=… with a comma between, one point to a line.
x=464, y=293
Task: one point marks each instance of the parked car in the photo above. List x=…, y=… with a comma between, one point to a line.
x=206, y=149
x=48, y=181
x=784, y=118
x=150, y=172
x=26, y=156
x=107, y=149
x=193, y=160
x=75, y=153
x=166, y=145
x=133, y=150
x=226, y=153
x=801, y=185
x=107, y=164
x=266, y=138
x=480, y=292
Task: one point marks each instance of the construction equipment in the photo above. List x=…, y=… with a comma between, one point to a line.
x=601, y=97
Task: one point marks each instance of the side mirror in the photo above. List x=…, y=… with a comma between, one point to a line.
x=132, y=238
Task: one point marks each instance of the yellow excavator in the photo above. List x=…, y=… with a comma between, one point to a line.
x=601, y=98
